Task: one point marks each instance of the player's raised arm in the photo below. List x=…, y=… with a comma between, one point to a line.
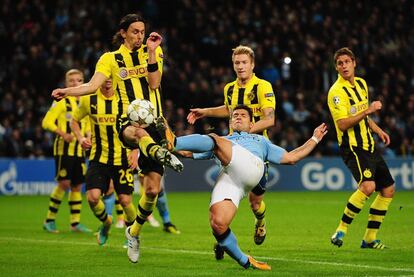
x=88, y=88
x=301, y=152
x=154, y=74
x=197, y=113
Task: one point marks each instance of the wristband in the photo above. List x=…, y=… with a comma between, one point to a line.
x=315, y=139
x=152, y=67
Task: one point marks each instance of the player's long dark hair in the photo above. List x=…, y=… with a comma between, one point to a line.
x=127, y=20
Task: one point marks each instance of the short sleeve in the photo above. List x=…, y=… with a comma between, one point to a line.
x=104, y=64
x=266, y=95
x=338, y=104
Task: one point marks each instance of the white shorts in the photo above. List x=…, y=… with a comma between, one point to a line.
x=240, y=176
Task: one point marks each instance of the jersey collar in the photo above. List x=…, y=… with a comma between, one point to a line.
x=342, y=81
x=252, y=80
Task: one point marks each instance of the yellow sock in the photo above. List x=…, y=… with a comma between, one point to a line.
x=145, y=207
x=130, y=214
x=75, y=204
x=355, y=204
x=260, y=214
x=100, y=212
x=377, y=213
x=148, y=146
x=55, y=200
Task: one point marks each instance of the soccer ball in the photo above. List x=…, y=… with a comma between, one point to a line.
x=141, y=112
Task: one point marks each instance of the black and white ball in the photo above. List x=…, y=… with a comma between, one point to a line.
x=141, y=112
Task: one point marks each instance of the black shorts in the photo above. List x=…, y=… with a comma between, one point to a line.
x=146, y=164
x=367, y=166
x=70, y=168
x=99, y=176
x=260, y=188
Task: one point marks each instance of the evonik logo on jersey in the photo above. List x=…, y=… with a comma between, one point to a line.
x=137, y=72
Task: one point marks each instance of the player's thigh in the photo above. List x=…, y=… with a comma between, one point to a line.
x=383, y=177
x=226, y=189
x=77, y=171
x=123, y=180
x=97, y=177
x=360, y=163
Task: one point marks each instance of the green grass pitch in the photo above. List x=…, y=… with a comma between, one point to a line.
x=299, y=226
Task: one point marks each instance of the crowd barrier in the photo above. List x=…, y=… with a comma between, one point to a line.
x=31, y=177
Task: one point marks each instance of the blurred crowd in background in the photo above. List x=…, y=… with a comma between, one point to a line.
x=294, y=42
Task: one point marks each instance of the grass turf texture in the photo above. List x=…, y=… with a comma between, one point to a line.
x=299, y=226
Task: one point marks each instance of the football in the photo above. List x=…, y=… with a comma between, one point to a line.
x=141, y=112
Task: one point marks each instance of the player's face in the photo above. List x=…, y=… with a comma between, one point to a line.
x=74, y=80
x=243, y=66
x=345, y=66
x=240, y=121
x=134, y=36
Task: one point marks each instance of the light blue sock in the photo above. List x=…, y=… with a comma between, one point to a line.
x=162, y=206
x=229, y=243
x=109, y=201
x=195, y=143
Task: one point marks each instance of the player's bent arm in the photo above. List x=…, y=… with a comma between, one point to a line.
x=88, y=88
x=267, y=121
x=301, y=152
x=220, y=111
x=349, y=122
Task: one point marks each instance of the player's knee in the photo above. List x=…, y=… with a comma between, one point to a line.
x=93, y=199
x=124, y=200
x=218, y=224
x=367, y=187
x=388, y=192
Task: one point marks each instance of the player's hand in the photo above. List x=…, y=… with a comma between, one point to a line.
x=133, y=159
x=85, y=143
x=385, y=138
x=320, y=131
x=58, y=94
x=67, y=137
x=375, y=106
x=195, y=114
x=153, y=41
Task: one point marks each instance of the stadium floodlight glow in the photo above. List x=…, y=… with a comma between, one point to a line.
x=287, y=60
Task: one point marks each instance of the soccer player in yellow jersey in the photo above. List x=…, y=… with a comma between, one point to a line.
x=135, y=69
x=69, y=157
x=109, y=159
x=350, y=109
x=258, y=95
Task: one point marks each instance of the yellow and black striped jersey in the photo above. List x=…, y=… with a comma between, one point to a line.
x=59, y=116
x=257, y=94
x=103, y=113
x=345, y=100
x=128, y=70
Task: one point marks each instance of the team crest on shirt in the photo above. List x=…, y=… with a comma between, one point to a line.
x=123, y=73
x=250, y=96
x=63, y=173
x=367, y=173
x=336, y=100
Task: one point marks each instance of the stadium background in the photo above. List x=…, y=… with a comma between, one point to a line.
x=41, y=39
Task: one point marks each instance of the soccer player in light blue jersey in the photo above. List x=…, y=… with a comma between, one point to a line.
x=242, y=156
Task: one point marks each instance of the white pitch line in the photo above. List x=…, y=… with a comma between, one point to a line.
x=395, y=269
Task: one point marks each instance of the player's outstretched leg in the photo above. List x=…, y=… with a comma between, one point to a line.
x=165, y=157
